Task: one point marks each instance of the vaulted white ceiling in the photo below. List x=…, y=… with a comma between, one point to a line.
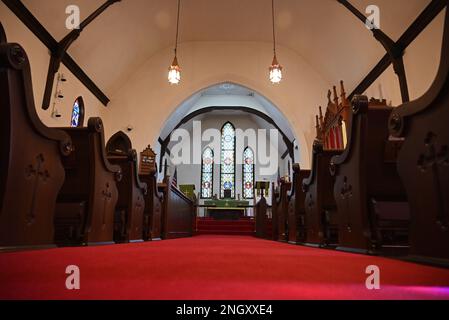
x=323, y=32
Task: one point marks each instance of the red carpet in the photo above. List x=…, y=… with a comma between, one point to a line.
x=242, y=227
x=213, y=267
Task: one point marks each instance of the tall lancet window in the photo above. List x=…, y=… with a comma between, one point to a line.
x=207, y=174
x=248, y=173
x=77, y=118
x=227, y=167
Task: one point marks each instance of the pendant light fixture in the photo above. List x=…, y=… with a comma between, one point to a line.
x=174, y=72
x=276, y=68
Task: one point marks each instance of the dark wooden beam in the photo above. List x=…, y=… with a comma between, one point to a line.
x=19, y=9
x=286, y=153
x=3, y=38
x=415, y=29
x=395, y=51
x=164, y=150
x=58, y=55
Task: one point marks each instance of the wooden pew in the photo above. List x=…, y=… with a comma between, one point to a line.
x=274, y=225
x=129, y=212
x=423, y=163
x=86, y=203
x=321, y=216
x=30, y=157
x=321, y=210
x=153, y=199
x=261, y=218
x=178, y=212
x=372, y=205
x=332, y=127
x=263, y=227
x=296, y=209
x=280, y=211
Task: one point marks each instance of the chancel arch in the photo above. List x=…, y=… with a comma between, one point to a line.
x=230, y=96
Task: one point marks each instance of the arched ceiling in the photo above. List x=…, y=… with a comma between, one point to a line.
x=323, y=32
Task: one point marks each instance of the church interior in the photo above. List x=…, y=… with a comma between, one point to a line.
x=224, y=150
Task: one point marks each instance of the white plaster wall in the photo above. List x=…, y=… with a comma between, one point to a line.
x=147, y=100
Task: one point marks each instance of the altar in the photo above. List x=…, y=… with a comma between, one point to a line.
x=226, y=209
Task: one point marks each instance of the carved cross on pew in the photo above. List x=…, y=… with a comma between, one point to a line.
x=346, y=194
x=139, y=203
x=39, y=173
x=433, y=160
x=107, y=196
x=310, y=202
x=138, y=207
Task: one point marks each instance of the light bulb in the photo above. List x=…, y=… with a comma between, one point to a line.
x=174, y=72
x=275, y=71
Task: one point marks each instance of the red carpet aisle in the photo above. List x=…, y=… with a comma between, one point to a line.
x=213, y=267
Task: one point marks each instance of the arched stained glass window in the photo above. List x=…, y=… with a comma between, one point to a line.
x=77, y=119
x=207, y=174
x=227, y=168
x=248, y=174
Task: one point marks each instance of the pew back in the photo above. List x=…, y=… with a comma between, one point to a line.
x=280, y=210
x=320, y=207
x=261, y=218
x=296, y=210
x=178, y=212
x=153, y=199
x=30, y=157
x=423, y=162
x=367, y=188
x=87, y=200
x=129, y=212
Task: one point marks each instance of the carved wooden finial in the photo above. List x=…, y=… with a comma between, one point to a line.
x=343, y=91
x=345, y=114
x=318, y=128
x=335, y=96
x=321, y=119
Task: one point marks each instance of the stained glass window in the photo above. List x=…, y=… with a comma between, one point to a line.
x=248, y=174
x=227, y=173
x=77, y=113
x=207, y=174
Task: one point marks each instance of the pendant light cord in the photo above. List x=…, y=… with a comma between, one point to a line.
x=274, y=30
x=177, y=27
